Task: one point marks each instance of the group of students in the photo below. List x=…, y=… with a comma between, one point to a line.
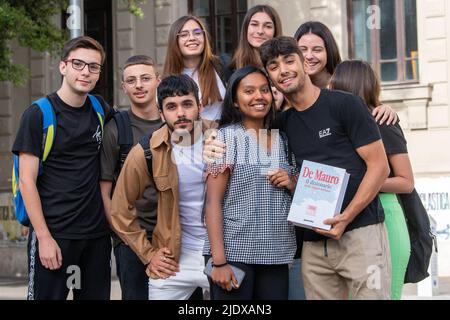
x=195, y=182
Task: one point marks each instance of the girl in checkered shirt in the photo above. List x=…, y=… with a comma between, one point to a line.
x=249, y=195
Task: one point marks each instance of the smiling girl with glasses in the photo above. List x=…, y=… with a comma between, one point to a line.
x=190, y=52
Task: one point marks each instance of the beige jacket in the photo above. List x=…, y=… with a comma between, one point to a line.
x=130, y=186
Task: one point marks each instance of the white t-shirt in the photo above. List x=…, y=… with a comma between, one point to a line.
x=191, y=186
x=211, y=111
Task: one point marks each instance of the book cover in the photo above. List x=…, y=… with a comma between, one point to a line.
x=318, y=196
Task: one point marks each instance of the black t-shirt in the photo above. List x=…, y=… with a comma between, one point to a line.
x=393, y=140
x=329, y=132
x=69, y=186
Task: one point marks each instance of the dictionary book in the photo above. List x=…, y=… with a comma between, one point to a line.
x=318, y=196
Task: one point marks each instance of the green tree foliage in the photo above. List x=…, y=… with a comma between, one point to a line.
x=134, y=7
x=30, y=23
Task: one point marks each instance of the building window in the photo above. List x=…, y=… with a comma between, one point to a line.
x=384, y=32
x=223, y=20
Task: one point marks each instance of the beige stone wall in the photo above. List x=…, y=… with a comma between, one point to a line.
x=426, y=120
x=14, y=100
x=166, y=12
x=147, y=36
x=6, y=127
x=292, y=13
x=132, y=36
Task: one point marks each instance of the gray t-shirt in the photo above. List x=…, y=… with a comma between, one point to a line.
x=146, y=206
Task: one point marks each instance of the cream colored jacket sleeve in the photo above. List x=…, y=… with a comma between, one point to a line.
x=133, y=179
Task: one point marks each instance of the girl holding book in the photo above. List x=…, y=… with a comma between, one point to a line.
x=357, y=77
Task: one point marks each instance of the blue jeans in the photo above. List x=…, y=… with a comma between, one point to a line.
x=131, y=272
x=296, y=289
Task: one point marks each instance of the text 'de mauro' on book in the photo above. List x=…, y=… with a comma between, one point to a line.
x=318, y=196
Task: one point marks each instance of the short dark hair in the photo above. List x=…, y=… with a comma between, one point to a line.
x=231, y=114
x=176, y=85
x=84, y=42
x=138, y=59
x=322, y=31
x=278, y=46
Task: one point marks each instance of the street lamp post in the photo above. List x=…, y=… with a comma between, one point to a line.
x=75, y=22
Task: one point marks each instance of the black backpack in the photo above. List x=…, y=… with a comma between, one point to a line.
x=125, y=141
x=420, y=235
x=124, y=136
x=145, y=144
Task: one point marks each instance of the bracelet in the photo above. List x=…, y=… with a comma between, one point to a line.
x=219, y=265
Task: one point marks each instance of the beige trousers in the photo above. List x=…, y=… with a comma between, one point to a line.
x=357, y=266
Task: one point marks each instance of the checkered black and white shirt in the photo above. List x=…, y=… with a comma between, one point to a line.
x=255, y=213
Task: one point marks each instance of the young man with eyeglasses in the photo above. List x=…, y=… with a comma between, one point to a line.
x=69, y=244
x=139, y=83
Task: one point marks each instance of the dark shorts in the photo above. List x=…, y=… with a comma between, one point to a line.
x=86, y=269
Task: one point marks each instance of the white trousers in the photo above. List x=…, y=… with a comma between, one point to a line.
x=183, y=284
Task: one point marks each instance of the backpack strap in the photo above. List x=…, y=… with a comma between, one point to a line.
x=48, y=125
x=287, y=147
x=145, y=144
x=98, y=109
x=15, y=175
x=125, y=135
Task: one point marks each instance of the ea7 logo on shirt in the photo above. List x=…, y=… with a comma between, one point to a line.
x=324, y=133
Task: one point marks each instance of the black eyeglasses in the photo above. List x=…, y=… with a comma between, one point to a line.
x=78, y=64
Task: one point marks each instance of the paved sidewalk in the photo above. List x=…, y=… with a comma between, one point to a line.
x=16, y=289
